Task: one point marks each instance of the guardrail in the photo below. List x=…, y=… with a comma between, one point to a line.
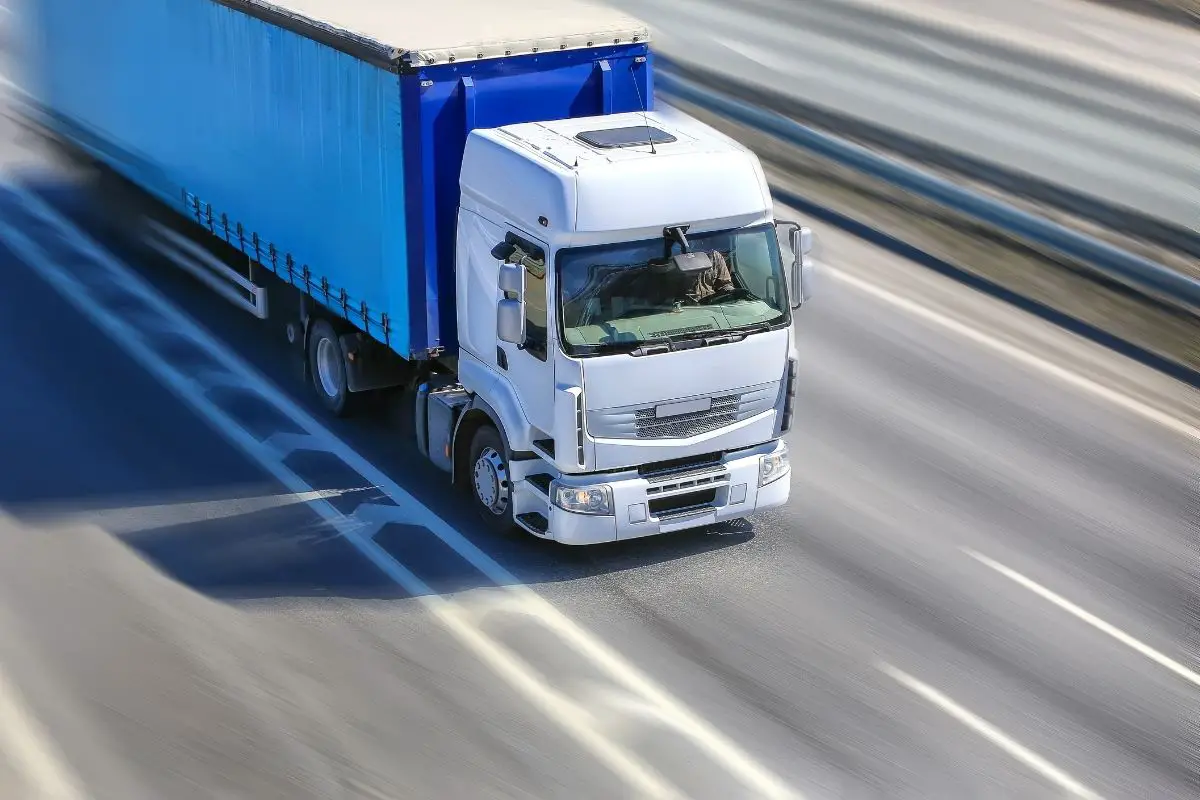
x=1127, y=268
x=1183, y=12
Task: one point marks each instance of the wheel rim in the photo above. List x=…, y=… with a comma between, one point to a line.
x=329, y=367
x=490, y=478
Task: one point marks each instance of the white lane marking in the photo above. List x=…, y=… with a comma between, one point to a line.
x=991, y=733
x=575, y=720
x=580, y=723
x=1022, y=356
x=1091, y=619
x=31, y=751
x=26, y=743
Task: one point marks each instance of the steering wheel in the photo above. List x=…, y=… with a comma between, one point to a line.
x=736, y=292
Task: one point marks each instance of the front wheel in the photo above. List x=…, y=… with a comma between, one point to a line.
x=489, y=481
x=327, y=367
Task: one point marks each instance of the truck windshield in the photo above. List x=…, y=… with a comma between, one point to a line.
x=621, y=296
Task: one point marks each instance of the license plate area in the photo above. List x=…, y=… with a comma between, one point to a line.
x=668, y=410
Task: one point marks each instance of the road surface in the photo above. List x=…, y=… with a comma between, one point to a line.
x=1093, y=99
x=986, y=584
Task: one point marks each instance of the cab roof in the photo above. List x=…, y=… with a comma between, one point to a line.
x=552, y=176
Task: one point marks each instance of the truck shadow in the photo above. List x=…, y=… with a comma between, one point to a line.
x=247, y=548
x=266, y=555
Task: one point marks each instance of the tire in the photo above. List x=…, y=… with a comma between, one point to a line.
x=327, y=369
x=487, y=480
x=118, y=210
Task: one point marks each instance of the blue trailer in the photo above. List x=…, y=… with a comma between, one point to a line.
x=325, y=137
x=591, y=300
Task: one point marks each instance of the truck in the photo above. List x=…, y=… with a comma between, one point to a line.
x=478, y=205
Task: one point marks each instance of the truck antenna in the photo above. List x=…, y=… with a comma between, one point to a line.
x=642, y=103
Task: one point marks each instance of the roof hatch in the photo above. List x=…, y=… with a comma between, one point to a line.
x=633, y=136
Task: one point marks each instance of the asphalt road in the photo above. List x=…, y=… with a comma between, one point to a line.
x=1085, y=96
x=175, y=623
x=212, y=636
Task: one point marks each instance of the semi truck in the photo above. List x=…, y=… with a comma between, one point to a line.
x=589, y=298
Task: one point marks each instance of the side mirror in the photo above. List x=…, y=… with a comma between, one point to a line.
x=510, y=311
x=510, y=321
x=802, y=267
x=512, y=281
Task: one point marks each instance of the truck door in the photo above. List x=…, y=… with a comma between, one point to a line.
x=531, y=365
x=528, y=366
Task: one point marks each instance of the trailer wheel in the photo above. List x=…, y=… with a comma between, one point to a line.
x=119, y=209
x=327, y=367
x=489, y=481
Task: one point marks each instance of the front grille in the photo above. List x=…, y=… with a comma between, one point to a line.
x=724, y=411
x=639, y=421
x=665, y=482
x=661, y=470
x=666, y=507
x=688, y=484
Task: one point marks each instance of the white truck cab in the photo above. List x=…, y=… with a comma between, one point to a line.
x=624, y=327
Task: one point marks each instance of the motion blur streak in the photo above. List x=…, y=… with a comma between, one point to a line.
x=1024, y=357
x=992, y=734
x=24, y=744
x=1091, y=619
x=985, y=585
x=578, y=722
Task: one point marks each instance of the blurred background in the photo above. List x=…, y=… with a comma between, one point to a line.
x=986, y=583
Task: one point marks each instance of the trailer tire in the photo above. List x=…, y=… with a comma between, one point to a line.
x=327, y=369
x=119, y=209
x=489, y=479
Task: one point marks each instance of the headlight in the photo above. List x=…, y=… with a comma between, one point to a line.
x=773, y=467
x=595, y=500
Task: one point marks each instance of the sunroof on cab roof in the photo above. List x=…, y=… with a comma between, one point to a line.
x=625, y=137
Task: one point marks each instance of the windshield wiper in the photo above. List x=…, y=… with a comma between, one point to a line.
x=753, y=327
x=687, y=341
x=670, y=344
x=649, y=347
x=635, y=346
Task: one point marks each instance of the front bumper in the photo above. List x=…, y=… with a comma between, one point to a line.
x=676, y=501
